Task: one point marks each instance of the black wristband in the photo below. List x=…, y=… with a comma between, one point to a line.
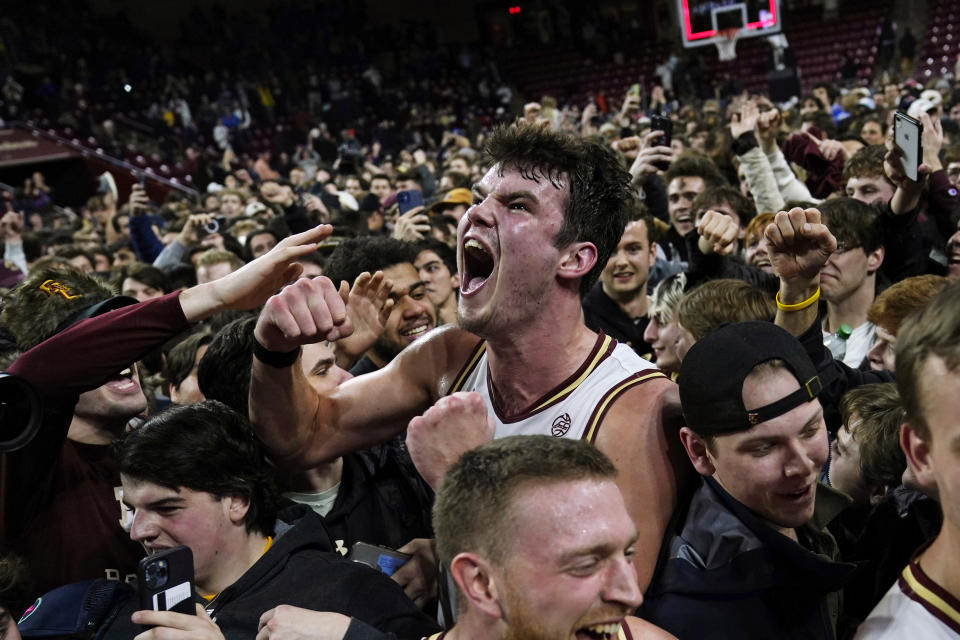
x=744, y=143
x=278, y=359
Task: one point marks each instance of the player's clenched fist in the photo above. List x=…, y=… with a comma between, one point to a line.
x=309, y=310
x=455, y=424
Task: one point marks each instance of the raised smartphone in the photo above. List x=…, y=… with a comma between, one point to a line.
x=906, y=135
x=165, y=581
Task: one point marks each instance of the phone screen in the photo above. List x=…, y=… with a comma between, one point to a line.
x=906, y=135
x=382, y=558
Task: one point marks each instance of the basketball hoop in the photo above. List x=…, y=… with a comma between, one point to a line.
x=727, y=44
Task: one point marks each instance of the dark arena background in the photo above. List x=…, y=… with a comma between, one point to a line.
x=96, y=84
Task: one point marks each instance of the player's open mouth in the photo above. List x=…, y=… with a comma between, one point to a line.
x=478, y=264
x=599, y=631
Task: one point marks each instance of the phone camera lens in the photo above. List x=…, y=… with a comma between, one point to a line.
x=155, y=574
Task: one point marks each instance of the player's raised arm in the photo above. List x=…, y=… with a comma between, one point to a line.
x=304, y=428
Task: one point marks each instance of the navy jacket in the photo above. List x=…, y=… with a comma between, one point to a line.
x=724, y=574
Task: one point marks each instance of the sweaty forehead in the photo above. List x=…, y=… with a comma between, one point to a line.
x=510, y=177
x=572, y=514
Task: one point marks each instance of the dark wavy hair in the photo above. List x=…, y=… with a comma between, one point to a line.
x=853, y=222
x=866, y=163
x=224, y=370
x=353, y=256
x=145, y=273
x=443, y=251
x=597, y=208
x=206, y=447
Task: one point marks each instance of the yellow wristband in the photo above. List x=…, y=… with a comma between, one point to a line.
x=800, y=305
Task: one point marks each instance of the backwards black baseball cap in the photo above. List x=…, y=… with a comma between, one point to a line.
x=713, y=372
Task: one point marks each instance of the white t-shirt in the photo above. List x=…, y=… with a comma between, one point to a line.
x=859, y=342
x=914, y=607
x=320, y=501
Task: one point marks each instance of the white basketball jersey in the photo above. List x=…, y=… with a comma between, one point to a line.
x=914, y=607
x=577, y=406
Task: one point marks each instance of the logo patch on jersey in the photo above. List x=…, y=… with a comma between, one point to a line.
x=560, y=426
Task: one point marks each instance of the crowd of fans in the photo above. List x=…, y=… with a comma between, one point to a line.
x=237, y=373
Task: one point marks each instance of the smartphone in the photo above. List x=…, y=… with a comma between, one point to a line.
x=213, y=226
x=383, y=558
x=634, y=90
x=165, y=581
x=906, y=135
x=409, y=199
x=664, y=124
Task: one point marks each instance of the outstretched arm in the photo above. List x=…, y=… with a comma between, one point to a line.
x=251, y=285
x=304, y=428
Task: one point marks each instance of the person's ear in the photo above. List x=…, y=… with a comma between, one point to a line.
x=236, y=506
x=477, y=583
x=917, y=452
x=696, y=450
x=455, y=281
x=577, y=260
x=652, y=258
x=874, y=260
